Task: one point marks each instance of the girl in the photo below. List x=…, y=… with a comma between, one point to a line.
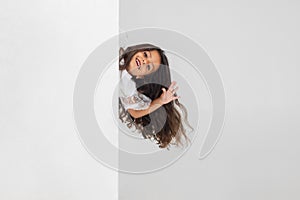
x=148, y=98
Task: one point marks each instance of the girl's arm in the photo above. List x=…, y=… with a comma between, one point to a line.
x=155, y=104
x=164, y=98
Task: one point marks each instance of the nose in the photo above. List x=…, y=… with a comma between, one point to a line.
x=145, y=60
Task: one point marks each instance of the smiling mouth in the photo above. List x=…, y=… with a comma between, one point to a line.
x=138, y=63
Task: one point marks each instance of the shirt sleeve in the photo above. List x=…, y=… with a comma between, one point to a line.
x=129, y=96
x=136, y=101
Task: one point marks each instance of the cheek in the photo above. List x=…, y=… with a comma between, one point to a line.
x=132, y=61
x=133, y=58
x=139, y=54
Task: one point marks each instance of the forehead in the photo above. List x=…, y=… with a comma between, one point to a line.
x=155, y=56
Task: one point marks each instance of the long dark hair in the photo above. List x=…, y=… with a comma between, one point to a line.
x=164, y=124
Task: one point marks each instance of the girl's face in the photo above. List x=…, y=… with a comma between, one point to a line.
x=144, y=63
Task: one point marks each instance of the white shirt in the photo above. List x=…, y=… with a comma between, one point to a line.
x=129, y=95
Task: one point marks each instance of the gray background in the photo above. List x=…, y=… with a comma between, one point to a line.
x=254, y=45
x=42, y=47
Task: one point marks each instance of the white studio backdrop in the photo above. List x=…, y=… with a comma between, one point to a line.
x=43, y=45
x=254, y=45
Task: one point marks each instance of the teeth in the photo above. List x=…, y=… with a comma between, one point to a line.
x=138, y=62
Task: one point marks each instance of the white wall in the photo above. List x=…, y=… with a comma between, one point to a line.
x=43, y=45
x=255, y=46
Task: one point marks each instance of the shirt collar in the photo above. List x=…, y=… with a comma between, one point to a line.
x=126, y=74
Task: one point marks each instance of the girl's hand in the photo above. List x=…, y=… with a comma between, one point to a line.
x=168, y=95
